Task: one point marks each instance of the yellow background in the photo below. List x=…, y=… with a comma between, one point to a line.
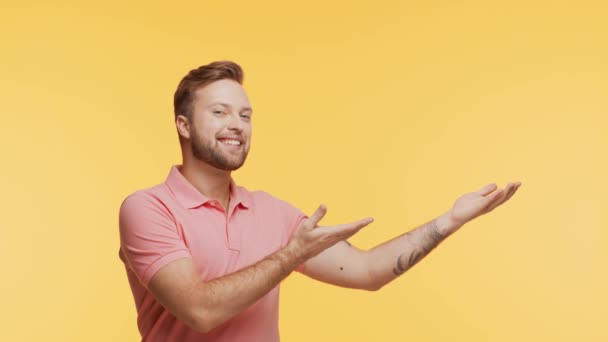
x=379, y=108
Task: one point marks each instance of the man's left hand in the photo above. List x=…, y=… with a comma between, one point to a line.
x=474, y=204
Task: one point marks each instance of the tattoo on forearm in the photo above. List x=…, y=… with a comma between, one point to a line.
x=424, y=240
x=415, y=257
x=400, y=268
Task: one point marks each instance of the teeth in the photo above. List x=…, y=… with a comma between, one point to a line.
x=231, y=142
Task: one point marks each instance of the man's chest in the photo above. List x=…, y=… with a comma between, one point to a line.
x=222, y=244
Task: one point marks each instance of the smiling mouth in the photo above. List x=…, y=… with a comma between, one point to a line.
x=231, y=142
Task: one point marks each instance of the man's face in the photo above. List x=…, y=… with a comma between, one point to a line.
x=220, y=129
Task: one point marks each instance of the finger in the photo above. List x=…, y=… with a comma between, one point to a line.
x=344, y=235
x=494, y=198
x=314, y=219
x=348, y=228
x=487, y=189
x=508, y=191
x=513, y=191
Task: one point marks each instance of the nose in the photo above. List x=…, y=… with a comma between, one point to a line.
x=235, y=123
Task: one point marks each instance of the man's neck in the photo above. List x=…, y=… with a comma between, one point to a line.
x=209, y=181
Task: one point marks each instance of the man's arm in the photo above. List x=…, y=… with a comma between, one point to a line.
x=205, y=305
x=347, y=266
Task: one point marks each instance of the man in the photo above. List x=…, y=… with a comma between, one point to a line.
x=204, y=257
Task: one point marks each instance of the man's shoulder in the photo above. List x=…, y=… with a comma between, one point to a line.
x=156, y=194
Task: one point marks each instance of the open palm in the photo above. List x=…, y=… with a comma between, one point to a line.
x=474, y=204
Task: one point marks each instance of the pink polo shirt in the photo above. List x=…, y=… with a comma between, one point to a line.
x=173, y=220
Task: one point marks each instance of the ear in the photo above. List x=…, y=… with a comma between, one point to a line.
x=183, y=126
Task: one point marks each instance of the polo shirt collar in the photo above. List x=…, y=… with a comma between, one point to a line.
x=189, y=197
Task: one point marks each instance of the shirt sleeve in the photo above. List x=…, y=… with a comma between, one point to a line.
x=149, y=238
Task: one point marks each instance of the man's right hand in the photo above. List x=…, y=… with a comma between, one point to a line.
x=311, y=239
x=204, y=305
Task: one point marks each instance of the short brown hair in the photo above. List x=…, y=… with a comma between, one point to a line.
x=200, y=77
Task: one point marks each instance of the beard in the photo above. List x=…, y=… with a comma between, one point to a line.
x=214, y=156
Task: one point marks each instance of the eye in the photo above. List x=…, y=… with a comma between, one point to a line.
x=219, y=112
x=246, y=116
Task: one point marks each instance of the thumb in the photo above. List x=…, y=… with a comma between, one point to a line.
x=487, y=189
x=316, y=217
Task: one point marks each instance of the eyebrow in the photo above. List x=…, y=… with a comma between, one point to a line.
x=229, y=106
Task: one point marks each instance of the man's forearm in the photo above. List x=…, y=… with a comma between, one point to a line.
x=222, y=298
x=389, y=260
